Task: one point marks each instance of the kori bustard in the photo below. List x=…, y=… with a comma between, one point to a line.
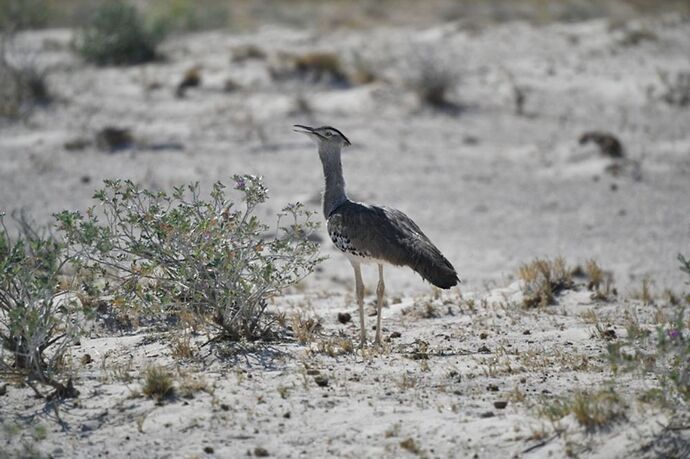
x=372, y=234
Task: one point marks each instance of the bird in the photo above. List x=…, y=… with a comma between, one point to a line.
x=368, y=233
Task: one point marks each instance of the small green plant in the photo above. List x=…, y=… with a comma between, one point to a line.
x=18, y=15
x=158, y=383
x=208, y=261
x=684, y=265
x=593, y=410
x=666, y=353
x=36, y=317
x=542, y=280
x=116, y=34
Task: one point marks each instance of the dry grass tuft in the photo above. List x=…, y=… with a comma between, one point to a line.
x=410, y=445
x=304, y=329
x=592, y=410
x=335, y=346
x=158, y=383
x=543, y=280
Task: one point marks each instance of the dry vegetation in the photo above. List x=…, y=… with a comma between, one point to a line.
x=161, y=296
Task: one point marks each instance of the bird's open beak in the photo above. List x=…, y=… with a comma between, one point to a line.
x=306, y=130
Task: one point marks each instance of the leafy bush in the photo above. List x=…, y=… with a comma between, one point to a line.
x=23, y=14
x=176, y=254
x=36, y=321
x=116, y=34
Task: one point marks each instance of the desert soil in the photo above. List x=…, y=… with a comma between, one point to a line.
x=492, y=185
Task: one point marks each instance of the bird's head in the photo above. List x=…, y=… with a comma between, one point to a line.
x=324, y=136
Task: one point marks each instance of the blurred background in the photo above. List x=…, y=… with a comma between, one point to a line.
x=507, y=130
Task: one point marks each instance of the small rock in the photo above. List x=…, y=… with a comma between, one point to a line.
x=321, y=380
x=483, y=335
x=3, y=390
x=313, y=372
x=86, y=359
x=523, y=380
x=287, y=415
x=484, y=350
x=344, y=317
x=85, y=179
x=77, y=144
x=500, y=404
x=487, y=414
x=114, y=138
x=610, y=334
x=208, y=450
x=260, y=452
x=526, y=332
x=492, y=388
x=225, y=407
x=608, y=144
x=395, y=334
x=191, y=79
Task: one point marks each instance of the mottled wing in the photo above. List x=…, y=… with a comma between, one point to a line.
x=388, y=234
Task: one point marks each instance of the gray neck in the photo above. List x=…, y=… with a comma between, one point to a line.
x=334, y=193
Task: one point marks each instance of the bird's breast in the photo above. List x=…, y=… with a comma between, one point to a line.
x=344, y=244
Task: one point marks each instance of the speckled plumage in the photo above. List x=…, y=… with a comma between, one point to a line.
x=381, y=234
x=372, y=234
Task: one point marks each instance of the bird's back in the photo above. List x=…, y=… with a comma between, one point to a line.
x=382, y=233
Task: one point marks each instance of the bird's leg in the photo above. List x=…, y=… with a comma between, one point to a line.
x=359, y=289
x=380, y=290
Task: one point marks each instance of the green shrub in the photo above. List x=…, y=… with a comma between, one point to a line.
x=178, y=255
x=23, y=14
x=36, y=320
x=116, y=34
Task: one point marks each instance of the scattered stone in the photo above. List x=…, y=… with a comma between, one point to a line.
x=487, y=414
x=86, y=359
x=526, y=332
x=287, y=415
x=260, y=452
x=523, y=380
x=231, y=85
x=225, y=407
x=114, y=139
x=484, y=350
x=85, y=179
x=313, y=372
x=321, y=380
x=191, y=79
x=3, y=390
x=608, y=144
x=483, y=335
x=492, y=388
x=208, y=450
x=77, y=144
x=610, y=334
x=344, y=317
x=500, y=404
x=395, y=334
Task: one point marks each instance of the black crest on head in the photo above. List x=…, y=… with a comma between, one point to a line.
x=347, y=141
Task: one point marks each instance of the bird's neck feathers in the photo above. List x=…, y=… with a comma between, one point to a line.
x=334, y=192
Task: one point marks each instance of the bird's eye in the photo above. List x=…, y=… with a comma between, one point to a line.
x=329, y=133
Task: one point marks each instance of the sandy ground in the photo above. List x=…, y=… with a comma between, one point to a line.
x=492, y=187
